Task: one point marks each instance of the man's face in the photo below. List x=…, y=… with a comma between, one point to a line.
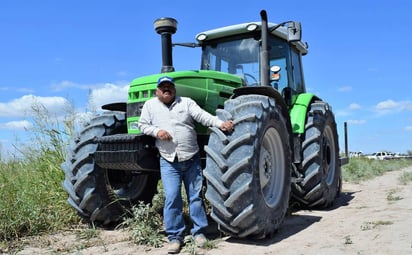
x=166, y=92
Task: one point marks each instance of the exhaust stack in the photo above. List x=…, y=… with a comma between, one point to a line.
x=264, y=52
x=166, y=27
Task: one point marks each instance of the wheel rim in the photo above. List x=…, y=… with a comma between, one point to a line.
x=271, y=167
x=329, y=155
x=128, y=186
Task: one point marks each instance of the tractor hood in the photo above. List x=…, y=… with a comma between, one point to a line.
x=208, y=88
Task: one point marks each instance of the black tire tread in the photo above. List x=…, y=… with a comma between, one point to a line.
x=86, y=183
x=232, y=189
x=313, y=191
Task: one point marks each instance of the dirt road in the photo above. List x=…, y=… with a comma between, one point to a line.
x=373, y=217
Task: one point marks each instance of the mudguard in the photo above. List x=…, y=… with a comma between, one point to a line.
x=298, y=112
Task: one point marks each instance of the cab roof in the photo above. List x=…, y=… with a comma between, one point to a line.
x=242, y=28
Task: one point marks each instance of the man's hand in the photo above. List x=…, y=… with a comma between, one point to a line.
x=227, y=126
x=164, y=135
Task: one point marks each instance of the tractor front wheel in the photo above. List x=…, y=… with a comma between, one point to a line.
x=103, y=196
x=248, y=170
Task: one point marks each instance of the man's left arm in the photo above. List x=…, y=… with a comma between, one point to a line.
x=207, y=119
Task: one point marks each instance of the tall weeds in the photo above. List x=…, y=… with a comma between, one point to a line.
x=31, y=198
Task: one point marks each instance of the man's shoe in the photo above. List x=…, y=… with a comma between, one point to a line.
x=174, y=247
x=200, y=240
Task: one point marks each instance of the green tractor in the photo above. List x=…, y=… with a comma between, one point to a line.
x=284, y=148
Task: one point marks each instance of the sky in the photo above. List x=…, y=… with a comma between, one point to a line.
x=85, y=53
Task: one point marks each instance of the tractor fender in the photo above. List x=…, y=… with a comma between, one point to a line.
x=298, y=112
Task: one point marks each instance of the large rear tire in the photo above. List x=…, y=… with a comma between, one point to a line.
x=320, y=172
x=248, y=170
x=102, y=196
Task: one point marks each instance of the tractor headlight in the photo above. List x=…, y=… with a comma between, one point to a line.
x=201, y=37
x=134, y=109
x=251, y=27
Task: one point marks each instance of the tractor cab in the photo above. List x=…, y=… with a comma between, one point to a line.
x=238, y=50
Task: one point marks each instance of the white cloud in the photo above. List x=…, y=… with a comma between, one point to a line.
x=348, y=110
x=110, y=87
x=109, y=93
x=99, y=94
x=390, y=106
x=387, y=105
x=408, y=128
x=356, y=122
x=23, y=106
x=16, y=125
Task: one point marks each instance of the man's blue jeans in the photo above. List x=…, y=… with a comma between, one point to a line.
x=173, y=174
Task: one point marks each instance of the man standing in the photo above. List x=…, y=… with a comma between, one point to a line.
x=170, y=119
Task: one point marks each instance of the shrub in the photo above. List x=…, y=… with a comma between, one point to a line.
x=360, y=169
x=145, y=226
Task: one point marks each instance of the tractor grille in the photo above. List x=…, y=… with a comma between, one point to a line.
x=134, y=109
x=127, y=152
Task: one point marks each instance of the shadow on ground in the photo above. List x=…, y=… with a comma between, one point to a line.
x=293, y=224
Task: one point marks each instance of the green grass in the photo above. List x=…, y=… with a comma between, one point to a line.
x=405, y=178
x=391, y=197
x=361, y=169
x=32, y=200
x=373, y=224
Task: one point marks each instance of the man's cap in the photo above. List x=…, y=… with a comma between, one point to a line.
x=165, y=79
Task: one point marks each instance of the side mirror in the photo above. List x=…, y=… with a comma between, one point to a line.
x=294, y=31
